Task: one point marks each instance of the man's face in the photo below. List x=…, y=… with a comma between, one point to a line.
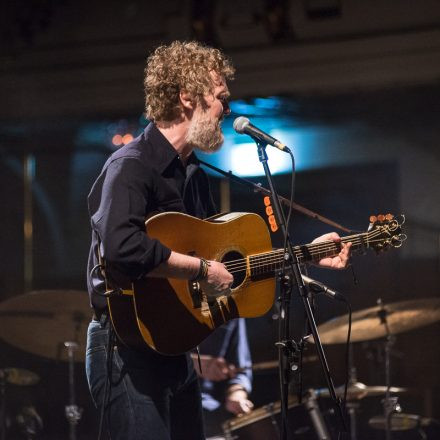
x=205, y=131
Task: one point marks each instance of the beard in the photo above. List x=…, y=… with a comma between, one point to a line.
x=205, y=133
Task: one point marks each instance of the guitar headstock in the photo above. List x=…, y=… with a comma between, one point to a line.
x=385, y=231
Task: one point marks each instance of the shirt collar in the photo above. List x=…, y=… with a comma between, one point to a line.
x=165, y=153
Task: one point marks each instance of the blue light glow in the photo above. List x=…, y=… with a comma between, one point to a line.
x=244, y=160
x=314, y=146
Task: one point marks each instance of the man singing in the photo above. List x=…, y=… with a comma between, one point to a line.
x=186, y=95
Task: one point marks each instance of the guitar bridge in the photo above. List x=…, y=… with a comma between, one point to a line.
x=196, y=294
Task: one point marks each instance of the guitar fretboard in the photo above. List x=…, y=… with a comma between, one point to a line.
x=266, y=264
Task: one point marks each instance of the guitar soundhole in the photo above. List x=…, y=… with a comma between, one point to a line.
x=236, y=264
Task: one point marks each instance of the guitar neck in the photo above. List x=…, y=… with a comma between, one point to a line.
x=266, y=264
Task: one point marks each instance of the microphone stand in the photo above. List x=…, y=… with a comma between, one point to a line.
x=260, y=189
x=286, y=345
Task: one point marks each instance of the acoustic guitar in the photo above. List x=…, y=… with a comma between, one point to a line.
x=173, y=316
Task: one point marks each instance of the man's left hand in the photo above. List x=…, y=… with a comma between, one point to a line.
x=339, y=261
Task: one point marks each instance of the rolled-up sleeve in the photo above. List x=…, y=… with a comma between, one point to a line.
x=118, y=205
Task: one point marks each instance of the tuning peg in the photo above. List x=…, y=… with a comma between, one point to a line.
x=389, y=217
x=373, y=219
x=381, y=217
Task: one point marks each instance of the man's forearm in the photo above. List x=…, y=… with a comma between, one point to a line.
x=177, y=266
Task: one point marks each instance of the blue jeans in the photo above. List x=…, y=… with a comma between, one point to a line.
x=152, y=396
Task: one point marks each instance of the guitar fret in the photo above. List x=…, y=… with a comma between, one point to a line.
x=265, y=264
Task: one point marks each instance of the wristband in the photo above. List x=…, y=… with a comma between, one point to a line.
x=203, y=270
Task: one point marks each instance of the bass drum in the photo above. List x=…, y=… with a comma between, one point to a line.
x=264, y=423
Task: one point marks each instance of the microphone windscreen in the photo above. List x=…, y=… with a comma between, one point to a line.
x=240, y=124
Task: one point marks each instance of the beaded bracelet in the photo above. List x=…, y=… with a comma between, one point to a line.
x=203, y=270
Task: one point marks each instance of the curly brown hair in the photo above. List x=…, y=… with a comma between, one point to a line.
x=180, y=66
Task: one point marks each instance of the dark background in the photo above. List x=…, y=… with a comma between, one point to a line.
x=369, y=76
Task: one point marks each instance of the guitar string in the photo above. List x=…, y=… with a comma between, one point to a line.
x=241, y=265
x=263, y=264
x=315, y=248
x=268, y=259
x=277, y=256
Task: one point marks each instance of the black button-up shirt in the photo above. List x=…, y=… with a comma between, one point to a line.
x=144, y=177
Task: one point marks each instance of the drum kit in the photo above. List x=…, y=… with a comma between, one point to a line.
x=53, y=324
x=306, y=419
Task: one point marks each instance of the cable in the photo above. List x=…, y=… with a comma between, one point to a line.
x=108, y=293
x=287, y=222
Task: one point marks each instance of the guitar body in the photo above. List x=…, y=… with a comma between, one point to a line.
x=170, y=315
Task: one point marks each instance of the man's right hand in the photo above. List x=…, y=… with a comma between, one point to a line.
x=218, y=281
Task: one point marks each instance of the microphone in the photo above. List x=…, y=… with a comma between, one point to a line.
x=242, y=125
x=317, y=287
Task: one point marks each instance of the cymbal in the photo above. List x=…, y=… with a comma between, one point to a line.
x=40, y=322
x=398, y=422
x=19, y=376
x=366, y=324
x=358, y=390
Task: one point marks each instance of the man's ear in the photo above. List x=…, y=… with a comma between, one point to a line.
x=186, y=100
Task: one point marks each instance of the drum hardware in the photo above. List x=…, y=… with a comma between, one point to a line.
x=355, y=392
x=29, y=422
x=72, y=411
x=352, y=391
x=13, y=376
x=311, y=403
x=390, y=404
x=44, y=323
